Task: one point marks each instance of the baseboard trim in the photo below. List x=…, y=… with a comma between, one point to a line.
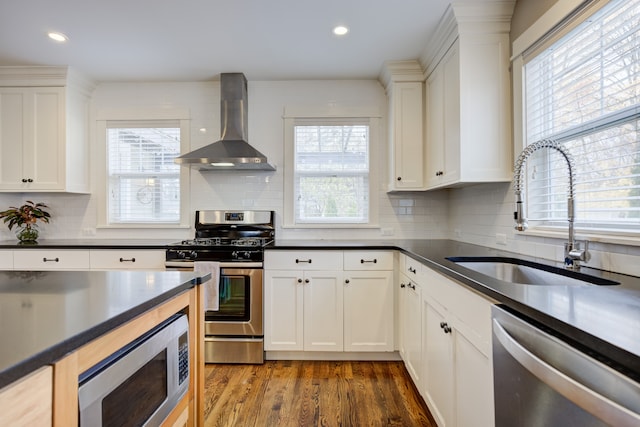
x=330, y=355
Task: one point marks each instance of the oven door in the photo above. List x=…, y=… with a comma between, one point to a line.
x=240, y=301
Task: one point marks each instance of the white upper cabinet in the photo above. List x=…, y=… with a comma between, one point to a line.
x=468, y=101
x=44, y=122
x=403, y=81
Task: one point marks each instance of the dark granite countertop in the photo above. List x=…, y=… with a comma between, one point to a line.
x=89, y=244
x=604, y=320
x=45, y=315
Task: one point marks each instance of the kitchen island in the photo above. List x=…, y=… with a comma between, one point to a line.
x=70, y=320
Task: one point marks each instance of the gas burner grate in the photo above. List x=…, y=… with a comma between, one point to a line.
x=257, y=242
x=204, y=241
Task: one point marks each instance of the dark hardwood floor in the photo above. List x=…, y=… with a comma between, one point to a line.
x=311, y=393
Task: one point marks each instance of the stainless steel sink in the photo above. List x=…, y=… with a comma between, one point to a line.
x=513, y=270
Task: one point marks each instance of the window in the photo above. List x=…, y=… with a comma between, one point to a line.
x=330, y=174
x=583, y=90
x=143, y=180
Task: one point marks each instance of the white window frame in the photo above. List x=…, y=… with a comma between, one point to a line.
x=146, y=117
x=307, y=116
x=558, y=20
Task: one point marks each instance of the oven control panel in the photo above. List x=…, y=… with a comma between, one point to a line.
x=229, y=255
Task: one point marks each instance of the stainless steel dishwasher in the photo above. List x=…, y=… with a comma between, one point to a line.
x=541, y=380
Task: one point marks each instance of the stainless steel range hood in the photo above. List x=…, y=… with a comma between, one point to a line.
x=232, y=152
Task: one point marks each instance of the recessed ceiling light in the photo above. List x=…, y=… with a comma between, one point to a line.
x=340, y=30
x=59, y=37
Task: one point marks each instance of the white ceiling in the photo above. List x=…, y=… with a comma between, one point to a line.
x=195, y=40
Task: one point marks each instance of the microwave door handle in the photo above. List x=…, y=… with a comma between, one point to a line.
x=587, y=399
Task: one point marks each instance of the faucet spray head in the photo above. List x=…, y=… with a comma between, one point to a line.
x=518, y=215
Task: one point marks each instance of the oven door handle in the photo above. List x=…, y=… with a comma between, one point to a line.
x=241, y=264
x=606, y=409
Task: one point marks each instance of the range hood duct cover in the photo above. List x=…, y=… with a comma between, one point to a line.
x=232, y=152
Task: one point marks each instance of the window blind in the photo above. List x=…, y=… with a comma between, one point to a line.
x=144, y=181
x=584, y=91
x=331, y=173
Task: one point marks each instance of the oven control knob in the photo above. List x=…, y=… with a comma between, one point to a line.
x=181, y=254
x=193, y=255
x=247, y=255
x=234, y=254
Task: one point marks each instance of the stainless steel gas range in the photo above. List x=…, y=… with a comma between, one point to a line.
x=236, y=240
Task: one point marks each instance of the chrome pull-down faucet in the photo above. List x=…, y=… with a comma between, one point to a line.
x=573, y=253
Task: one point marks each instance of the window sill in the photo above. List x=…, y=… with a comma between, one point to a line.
x=330, y=226
x=629, y=238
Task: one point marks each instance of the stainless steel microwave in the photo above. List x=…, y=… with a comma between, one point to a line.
x=140, y=384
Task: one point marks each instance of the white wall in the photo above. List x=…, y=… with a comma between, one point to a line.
x=412, y=215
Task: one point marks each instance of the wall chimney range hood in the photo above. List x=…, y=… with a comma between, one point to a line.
x=232, y=152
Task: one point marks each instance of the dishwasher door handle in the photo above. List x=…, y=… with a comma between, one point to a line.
x=606, y=409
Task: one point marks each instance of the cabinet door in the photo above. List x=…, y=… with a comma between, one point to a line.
x=323, y=311
x=451, y=117
x=283, y=310
x=31, y=134
x=368, y=311
x=44, y=153
x=407, y=136
x=29, y=400
x=435, y=127
x=473, y=385
x=13, y=127
x=412, y=330
x=439, y=364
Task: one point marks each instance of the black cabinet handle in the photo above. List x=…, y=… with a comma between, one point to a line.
x=346, y=281
x=402, y=285
x=306, y=280
x=445, y=327
x=299, y=261
x=412, y=270
x=127, y=260
x=299, y=280
x=374, y=261
x=399, y=178
x=50, y=259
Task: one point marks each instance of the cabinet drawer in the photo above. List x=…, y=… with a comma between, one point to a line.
x=368, y=260
x=471, y=310
x=29, y=259
x=411, y=267
x=303, y=260
x=118, y=259
x=6, y=260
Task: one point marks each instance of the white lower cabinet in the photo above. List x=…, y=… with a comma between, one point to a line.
x=303, y=310
x=283, y=310
x=313, y=304
x=82, y=259
x=368, y=311
x=438, y=363
x=323, y=311
x=457, y=366
x=411, y=326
